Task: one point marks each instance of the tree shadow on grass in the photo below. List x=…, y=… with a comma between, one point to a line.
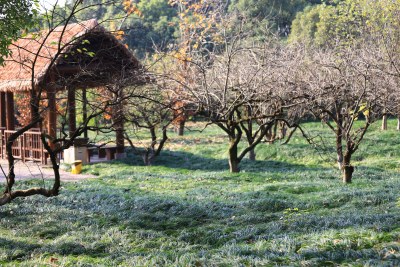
x=16, y=249
x=197, y=218
x=19, y=251
x=190, y=161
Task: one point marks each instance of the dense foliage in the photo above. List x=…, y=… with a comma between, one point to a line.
x=348, y=20
x=270, y=15
x=15, y=16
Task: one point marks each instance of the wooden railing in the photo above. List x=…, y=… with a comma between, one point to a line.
x=33, y=147
x=17, y=150
x=27, y=147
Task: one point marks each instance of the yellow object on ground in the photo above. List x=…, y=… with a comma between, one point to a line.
x=76, y=167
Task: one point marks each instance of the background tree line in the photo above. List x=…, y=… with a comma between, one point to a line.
x=156, y=22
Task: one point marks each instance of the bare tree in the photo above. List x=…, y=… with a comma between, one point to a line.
x=153, y=113
x=234, y=86
x=344, y=91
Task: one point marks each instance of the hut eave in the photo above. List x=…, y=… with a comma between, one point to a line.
x=41, y=53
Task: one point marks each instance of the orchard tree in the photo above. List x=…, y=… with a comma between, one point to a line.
x=344, y=91
x=147, y=120
x=197, y=23
x=372, y=24
x=235, y=86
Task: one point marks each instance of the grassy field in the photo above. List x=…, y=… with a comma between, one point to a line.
x=287, y=208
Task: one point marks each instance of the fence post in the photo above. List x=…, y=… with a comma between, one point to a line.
x=21, y=147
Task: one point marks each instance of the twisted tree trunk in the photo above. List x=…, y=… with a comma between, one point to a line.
x=234, y=159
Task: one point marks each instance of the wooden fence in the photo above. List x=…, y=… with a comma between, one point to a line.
x=27, y=147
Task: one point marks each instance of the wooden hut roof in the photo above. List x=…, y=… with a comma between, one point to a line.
x=36, y=54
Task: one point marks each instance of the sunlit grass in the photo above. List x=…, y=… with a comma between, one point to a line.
x=287, y=208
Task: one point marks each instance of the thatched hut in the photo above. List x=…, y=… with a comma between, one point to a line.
x=76, y=56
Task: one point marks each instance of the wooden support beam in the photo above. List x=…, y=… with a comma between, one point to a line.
x=84, y=111
x=71, y=111
x=52, y=114
x=67, y=69
x=118, y=119
x=10, y=111
x=3, y=116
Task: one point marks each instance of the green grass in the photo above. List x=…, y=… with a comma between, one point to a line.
x=288, y=208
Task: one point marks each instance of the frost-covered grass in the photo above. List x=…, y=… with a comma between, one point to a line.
x=288, y=208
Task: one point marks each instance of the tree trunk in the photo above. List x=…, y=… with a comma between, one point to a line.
x=347, y=169
x=153, y=136
x=252, y=155
x=233, y=157
x=268, y=135
x=339, y=149
x=347, y=172
x=181, y=128
x=147, y=157
x=340, y=161
x=398, y=123
x=249, y=133
x=339, y=137
x=233, y=165
x=283, y=130
x=384, y=122
x=274, y=131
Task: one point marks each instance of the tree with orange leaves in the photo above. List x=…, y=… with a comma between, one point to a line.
x=197, y=24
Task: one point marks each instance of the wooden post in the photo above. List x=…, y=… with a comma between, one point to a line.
x=52, y=114
x=3, y=123
x=118, y=119
x=3, y=118
x=10, y=111
x=84, y=111
x=21, y=143
x=71, y=111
